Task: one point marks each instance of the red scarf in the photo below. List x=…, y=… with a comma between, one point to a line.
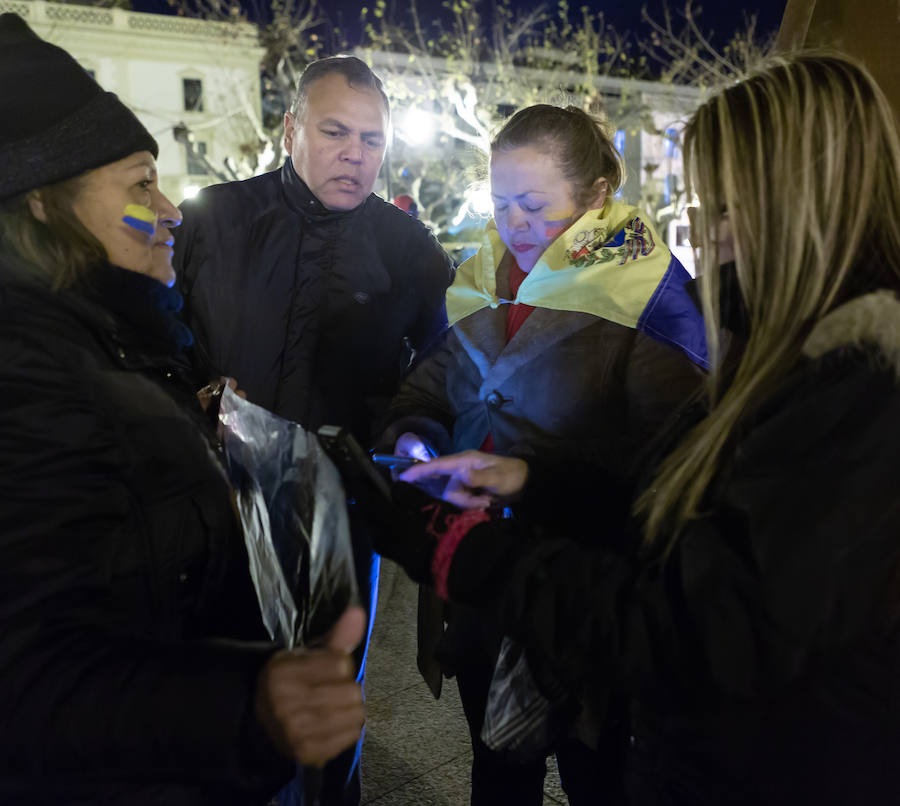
x=516, y=314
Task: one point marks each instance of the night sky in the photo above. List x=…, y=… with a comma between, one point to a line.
x=721, y=16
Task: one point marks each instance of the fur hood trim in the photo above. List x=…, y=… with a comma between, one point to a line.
x=873, y=319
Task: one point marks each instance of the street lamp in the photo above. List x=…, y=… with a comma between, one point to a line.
x=417, y=127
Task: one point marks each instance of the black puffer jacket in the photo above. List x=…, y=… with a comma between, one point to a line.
x=123, y=577
x=762, y=654
x=316, y=312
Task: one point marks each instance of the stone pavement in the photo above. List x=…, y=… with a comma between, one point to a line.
x=417, y=750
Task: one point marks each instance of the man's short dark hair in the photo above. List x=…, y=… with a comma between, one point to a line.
x=355, y=71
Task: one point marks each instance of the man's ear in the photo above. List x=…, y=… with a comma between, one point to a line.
x=288, y=132
x=598, y=194
x=36, y=205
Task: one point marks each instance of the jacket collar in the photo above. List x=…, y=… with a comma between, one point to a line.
x=302, y=200
x=871, y=319
x=144, y=311
x=483, y=337
x=124, y=309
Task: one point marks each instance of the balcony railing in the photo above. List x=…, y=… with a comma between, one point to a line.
x=37, y=12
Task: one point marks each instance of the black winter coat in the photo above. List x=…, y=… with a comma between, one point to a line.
x=316, y=313
x=763, y=653
x=123, y=577
x=568, y=383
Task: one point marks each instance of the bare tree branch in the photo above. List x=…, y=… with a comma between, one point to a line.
x=688, y=55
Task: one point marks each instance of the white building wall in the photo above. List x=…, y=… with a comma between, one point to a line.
x=143, y=59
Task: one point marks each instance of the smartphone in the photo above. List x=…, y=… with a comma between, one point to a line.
x=393, y=461
x=355, y=465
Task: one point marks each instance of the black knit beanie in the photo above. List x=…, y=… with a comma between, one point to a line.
x=55, y=120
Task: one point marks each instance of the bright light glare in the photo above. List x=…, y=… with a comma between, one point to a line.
x=190, y=191
x=480, y=199
x=418, y=127
x=265, y=159
x=478, y=202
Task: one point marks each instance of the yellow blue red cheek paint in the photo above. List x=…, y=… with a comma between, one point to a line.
x=556, y=221
x=140, y=218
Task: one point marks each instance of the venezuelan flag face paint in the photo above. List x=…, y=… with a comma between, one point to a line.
x=557, y=221
x=534, y=203
x=122, y=206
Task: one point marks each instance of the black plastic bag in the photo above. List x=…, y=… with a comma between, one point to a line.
x=293, y=509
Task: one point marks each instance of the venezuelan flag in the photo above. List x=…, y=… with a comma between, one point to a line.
x=610, y=263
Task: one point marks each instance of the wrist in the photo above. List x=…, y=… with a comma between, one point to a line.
x=456, y=528
x=433, y=530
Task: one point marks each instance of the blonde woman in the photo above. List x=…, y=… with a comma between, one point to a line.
x=755, y=619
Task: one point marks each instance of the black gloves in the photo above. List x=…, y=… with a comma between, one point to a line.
x=422, y=534
x=399, y=527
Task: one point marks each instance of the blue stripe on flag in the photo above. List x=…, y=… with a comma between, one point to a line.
x=671, y=316
x=618, y=239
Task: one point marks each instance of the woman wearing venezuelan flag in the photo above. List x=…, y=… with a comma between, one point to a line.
x=573, y=337
x=753, y=617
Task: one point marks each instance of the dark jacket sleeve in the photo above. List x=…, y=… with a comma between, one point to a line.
x=181, y=259
x=190, y=258
x=85, y=689
x=434, y=271
x=421, y=405
x=659, y=380
x=791, y=562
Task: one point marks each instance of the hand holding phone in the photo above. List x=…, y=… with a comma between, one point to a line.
x=360, y=474
x=472, y=479
x=393, y=461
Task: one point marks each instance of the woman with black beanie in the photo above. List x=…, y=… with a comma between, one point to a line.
x=133, y=662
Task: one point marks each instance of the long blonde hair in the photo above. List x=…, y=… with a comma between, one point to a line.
x=804, y=157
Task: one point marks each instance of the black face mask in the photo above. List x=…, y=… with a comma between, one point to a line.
x=732, y=310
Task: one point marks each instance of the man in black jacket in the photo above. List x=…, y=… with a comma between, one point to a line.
x=309, y=289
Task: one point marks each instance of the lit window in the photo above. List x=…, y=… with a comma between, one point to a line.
x=193, y=94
